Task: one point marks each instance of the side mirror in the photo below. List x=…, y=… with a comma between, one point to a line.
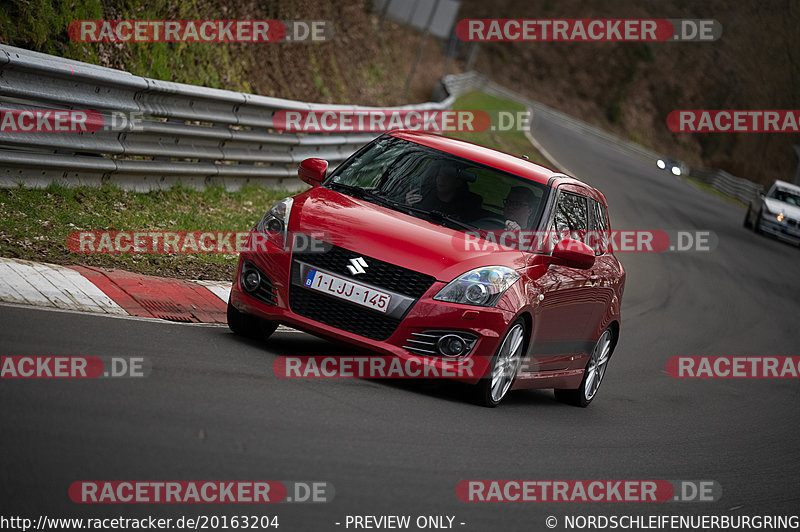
x=574, y=254
x=312, y=171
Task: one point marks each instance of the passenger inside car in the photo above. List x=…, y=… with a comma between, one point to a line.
x=518, y=208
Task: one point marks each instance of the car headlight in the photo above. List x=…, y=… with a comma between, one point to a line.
x=275, y=222
x=676, y=170
x=482, y=287
x=661, y=164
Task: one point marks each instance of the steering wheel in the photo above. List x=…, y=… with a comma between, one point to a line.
x=490, y=222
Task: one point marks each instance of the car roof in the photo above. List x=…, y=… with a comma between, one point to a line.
x=480, y=154
x=786, y=184
x=496, y=159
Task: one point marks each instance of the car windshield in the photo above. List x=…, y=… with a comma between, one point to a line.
x=786, y=196
x=439, y=187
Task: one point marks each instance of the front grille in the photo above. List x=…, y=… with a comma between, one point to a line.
x=424, y=343
x=377, y=273
x=265, y=291
x=341, y=314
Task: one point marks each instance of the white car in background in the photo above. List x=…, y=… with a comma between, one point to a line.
x=777, y=212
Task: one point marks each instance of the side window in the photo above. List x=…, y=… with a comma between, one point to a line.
x=572, y=213
x=599, y=227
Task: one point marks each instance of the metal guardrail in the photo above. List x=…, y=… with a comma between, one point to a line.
x=741, y=189
x=199, y=136
x=192, y=135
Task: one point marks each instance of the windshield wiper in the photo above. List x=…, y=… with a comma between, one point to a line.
x=446, y=217
x=363, y=193
x=438, y=215
x=356, y=192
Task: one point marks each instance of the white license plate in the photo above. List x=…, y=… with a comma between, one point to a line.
x=347, y=290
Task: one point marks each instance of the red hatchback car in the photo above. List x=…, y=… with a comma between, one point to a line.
x=413, y=247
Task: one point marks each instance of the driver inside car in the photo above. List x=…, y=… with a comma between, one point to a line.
x=448, y=194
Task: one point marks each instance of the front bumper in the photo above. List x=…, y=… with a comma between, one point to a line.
x=293, y=304
x=783, y=231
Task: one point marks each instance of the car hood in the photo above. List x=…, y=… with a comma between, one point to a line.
x=776, y=206
x=392, y=236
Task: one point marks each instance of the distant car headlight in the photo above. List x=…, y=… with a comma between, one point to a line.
x=482, y=287
x=275, y=222
x=780, y=217
x=661, y=164
x=676, y=170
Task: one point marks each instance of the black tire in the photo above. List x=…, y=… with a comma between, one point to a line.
x=757, y=224
x=582, y=396
x=747, y=224
x=517, y=335
x=249, y=326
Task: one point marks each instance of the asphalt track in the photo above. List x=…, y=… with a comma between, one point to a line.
x=213, y=409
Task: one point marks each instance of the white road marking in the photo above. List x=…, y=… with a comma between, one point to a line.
x=26, y=283
x=50, y=285
x=544, y=152
x=221, y=289
x=9, y=284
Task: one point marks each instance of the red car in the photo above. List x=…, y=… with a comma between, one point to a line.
x=413, y=247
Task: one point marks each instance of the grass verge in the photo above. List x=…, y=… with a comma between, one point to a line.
x=34, y=224
x=711, y=190
x=513, y=142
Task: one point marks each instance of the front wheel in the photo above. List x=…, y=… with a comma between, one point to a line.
x=757, y=224
x=249, y=326
x=592, y=375
x=505, y=364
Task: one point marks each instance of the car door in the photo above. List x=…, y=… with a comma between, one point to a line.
x=566, y=307
x=605, y=273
